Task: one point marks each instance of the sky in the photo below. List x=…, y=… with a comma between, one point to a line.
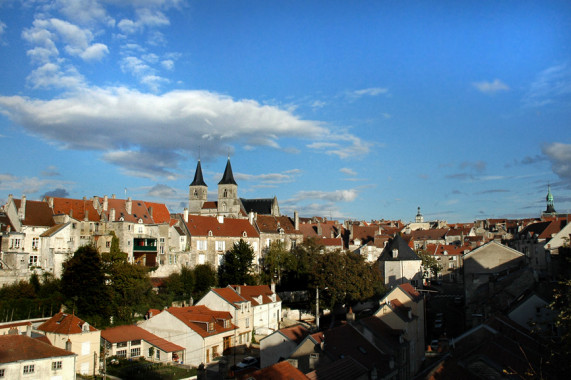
x=349, y=110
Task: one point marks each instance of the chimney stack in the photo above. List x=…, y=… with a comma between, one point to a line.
x=220, y=219
x=185, y=215
x=105, y=203
x=51, y=202
x=22, y=210
x=129, y=206
x=296, y=220
x=112, y=215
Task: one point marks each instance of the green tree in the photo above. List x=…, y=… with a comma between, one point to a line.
x=430, y=267
x=180, y=285
x=300, y=265
x=83, y=284
x=204, y=280
x=238, y=266
x=275, y=262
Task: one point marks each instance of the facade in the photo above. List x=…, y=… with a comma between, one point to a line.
x=449, y=257
x=211, y=237
x=22, y=357
x=66, y=331
x=278, y=228
x=204, y=334
x=399, y=264
x=403, y=309
x=266, y=306
x=228, y=300
x=134, y=342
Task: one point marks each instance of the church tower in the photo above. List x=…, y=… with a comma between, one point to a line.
x=549, y=198
x=419, y=218
x=228, y=202
x=197, y=192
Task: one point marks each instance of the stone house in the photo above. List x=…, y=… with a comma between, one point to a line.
x=67, y=331
x=399, y=264
x=266, y=306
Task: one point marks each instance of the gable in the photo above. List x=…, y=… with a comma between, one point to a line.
x=491, y=258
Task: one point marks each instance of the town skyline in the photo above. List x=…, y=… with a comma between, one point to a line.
x=357, y=112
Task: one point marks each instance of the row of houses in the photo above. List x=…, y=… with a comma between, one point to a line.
x=224, y=319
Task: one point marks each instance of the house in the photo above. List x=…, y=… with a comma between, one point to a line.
x=67, y=331
x=25, y=221
x=23, y=357
x=308, y=353
x=399, y=264
x=204, y=333
x=211, y=237
x=266, y=306
x=278, y=345
x=494, y=277
x=133, y=342
x=227, y=299
x=345, y=368
x=533, y=312
x=449, y=257
x=403, y=309
x=278, y=228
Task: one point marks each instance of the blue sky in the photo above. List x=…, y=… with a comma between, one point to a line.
x=361, y=110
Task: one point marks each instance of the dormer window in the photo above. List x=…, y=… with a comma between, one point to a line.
x=395, y=253
x=210, y=326
x=244, y=234
x=210, y=233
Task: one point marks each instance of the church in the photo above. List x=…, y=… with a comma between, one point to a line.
x=228, y=204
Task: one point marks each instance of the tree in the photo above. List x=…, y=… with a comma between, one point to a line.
x=275, y=262
x=430, y=267
x=237, y=267
x=204, y=280
x=300, y=264
x=83, y=283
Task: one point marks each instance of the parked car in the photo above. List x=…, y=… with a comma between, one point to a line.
x=247, y=362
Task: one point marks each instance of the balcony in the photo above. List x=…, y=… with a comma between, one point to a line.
x=144, y=245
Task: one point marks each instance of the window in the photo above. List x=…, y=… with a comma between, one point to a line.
x=107, y=244
x=220, y=259
x=225, y=193
x=170, y=259
x=201, y=245
x=158, y=355
x=121, y=344
x=28, y=369
x=140, y=230
x=2, y=372
x=220, y=246
x=451, y=265
x=56, y=365
x=227, y=342
x=15, y=243
x=201, y=258
x=268, y=242
x=33, y=261
x=35, y=243
x=247, y=322
x=135, y=352
x=136, y=342
x=122, y=353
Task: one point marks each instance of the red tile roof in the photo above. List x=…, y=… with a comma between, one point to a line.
x=198, y=318
x=408, y=288
x=230, y=295
x=201, y=225
x=295, y=333
x=15, y=348
x=346, y=368
x=37, y=213
x=63, y=323
x=76, y=208
x=279, y=371
x=132, y=332
x=439, y=249
x=272, y=224
x=160, y=212
x=252, y=292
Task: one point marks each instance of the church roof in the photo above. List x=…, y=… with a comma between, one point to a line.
x=228, y=177
x=259, y=206
x=198, y=179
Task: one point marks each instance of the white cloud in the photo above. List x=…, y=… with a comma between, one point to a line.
x=348, y=171
x=122, y=122
x=331, y=196
x=84, y=11
x=373, y=91
x=2, y=29
x=168, y=64
x=551, y=85
x=491, y=87
x=350, y=145
x=28, y=185
x=52, y=75
x=94, y=52
x=269, y=178
x=560, y=156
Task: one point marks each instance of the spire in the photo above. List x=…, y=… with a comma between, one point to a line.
x=198, y=180
x=228, y=177
x=549, y=198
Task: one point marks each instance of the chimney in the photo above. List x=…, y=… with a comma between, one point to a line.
x=350, y=316
x=296, y=220
x=51, y=202
x=112, y=215
x=151, y=211
x=129, y=206
x=273, y=287
x=237, y=289
x=112, y=196
x=319, y=229
x=220, y=219
x=22, y=210
x=251, y=217
x=96, y=202
x=105, y=203
x=185, y=215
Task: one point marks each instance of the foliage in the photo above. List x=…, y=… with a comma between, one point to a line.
x=300, y=264
x=180, y=285
x=142, y=369
x=83, y=284
x=237, y=267
x=430, y=267
x=560, y=347
x=204, y=280
x=275, y=262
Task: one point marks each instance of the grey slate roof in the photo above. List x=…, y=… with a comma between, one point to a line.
x=259, y=206
x=228, y=177
x=198, y=179
x=404, y=251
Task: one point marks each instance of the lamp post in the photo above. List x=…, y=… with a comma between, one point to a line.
x=317, y=307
